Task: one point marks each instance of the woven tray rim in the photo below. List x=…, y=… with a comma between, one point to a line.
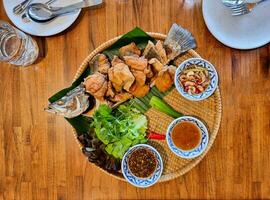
x=218, y=104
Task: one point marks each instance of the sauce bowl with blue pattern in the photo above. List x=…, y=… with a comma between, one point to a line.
x=199, y=149
x=138, y=181
x=212, y=75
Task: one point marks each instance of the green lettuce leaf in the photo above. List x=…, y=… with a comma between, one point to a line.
x=119, y=129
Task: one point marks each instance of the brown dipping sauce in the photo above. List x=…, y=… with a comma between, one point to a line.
x=186, y=135
x=142, y=163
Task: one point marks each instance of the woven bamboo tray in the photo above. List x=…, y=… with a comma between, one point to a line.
x=208, y=111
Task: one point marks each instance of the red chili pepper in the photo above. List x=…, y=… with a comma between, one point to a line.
x=155, y=136
x=197, y=91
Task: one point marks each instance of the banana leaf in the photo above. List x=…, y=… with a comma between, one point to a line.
x=81, y=123
x=77, y=82
x=137, y=35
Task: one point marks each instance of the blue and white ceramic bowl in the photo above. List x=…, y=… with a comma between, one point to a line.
x=197, y=150
x=212, y=74
x=142, y=182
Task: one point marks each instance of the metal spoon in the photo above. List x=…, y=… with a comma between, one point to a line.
x=26, y=19
x=41, y=13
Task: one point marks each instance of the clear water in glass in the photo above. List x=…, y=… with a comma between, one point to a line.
x=16, y=47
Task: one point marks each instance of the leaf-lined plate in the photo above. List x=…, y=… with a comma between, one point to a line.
x=209, y=110
x=82, y=123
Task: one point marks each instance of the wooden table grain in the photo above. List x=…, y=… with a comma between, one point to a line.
x=39, y=157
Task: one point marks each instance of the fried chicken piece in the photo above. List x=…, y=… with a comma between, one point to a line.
x=121, y=77
x=148, y=71
x=116, y=60
x=157, y=65
x=139, y=91
x=96, y=85
x=151, y=51
x=172, y=70
x=162, y=53
x=171, y=53
x=121, y=97
x=164, y=80
x=140, y=77
x=137, y=63
x=155, y=51
x=110, y=92
x=129, y=50
x=101, y=63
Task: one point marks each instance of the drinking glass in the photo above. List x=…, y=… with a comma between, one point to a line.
x=16, y=47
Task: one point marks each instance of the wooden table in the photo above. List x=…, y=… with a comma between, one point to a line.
x=40, y=158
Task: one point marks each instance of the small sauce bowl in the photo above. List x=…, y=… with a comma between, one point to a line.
x=155, y=174
x=195, y=151
x=212, y=75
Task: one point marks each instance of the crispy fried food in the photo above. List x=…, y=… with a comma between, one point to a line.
x=110, y=92
x=171, y=53
x=148, y=47
x=137, y=63
x=140, y=77
x=172, y=70
x=121, y=97
x=129, y=50
x=151, y=51
x=157, y=65
x=101, y=63
x=148, y=72
x=162, y=53
x=139, y=91
x=96, y=85
x=121, y=77
x=129, y=74
x=164, y=80
x=116, y=60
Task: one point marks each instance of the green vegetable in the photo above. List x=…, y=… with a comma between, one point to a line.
x=160, y=105
x=119, y=129
x=143, y=104
x=77, y=82
x=136, y=35
x=80, y=124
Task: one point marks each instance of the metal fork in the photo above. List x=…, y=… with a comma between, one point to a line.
x=241, y=7
x=21, y=7
x=232, y=3
x=25, y=17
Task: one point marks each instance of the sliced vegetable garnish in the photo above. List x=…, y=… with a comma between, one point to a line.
x=161, y=106
x=155, y=136
x=194, y=79
x=143, y=104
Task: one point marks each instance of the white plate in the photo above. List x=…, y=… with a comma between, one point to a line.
x=55, y=26
x=241, y=32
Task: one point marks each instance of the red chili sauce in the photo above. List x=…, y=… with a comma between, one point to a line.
x=142, y=163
